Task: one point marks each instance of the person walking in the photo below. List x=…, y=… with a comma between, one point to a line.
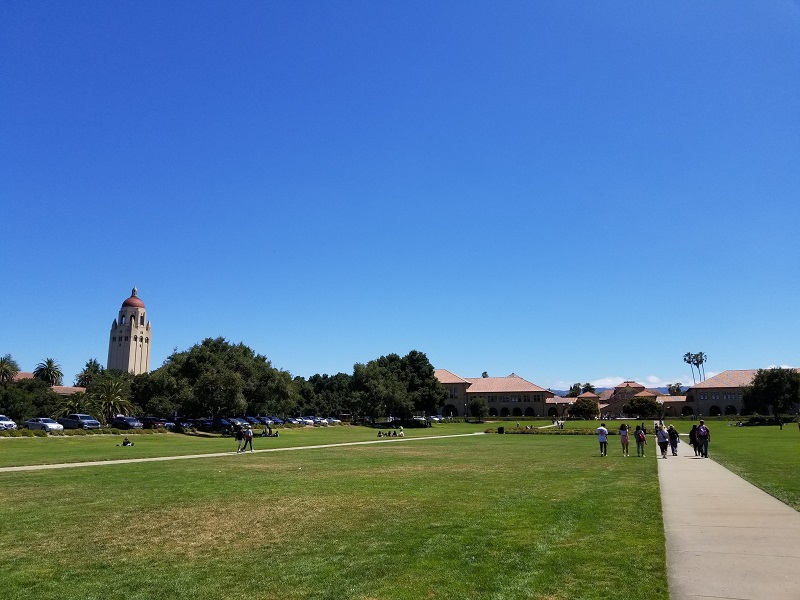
x=641, y=440
x=703, y=437
x=693, y=439
x=248, y=439
x=624, y=439
x=602, y=437
x=674, y=439
x=663, y=440
x=239, y=435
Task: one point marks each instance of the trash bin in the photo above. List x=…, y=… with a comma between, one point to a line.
x=501, y=430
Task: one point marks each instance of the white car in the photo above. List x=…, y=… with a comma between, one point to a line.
x=44, y=424
x=306, y=420
x=6, y=423
x=331, y=420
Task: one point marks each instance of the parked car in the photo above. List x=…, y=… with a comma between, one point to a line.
x=306, y=420
x=236, y=421
x=332, y=420
x=265, y=421
x=6, y=423
x=254, y=420
x=293, y=421
x=183, y=422
x=44, y=424
x=436, y=418
x=276, y=420
x=153, y=422
x=120, y=422
x=79, y=421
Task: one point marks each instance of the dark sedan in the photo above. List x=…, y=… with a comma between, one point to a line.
x=126, y=423
x=153, y=422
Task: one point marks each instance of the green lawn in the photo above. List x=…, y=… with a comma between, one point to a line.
x=497, y=517
x=765, y=456
x=64, y=449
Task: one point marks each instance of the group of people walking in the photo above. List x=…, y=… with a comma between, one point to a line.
x=667, y=438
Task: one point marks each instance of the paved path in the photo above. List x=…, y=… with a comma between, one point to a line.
x=125, y=461
x=725, y=537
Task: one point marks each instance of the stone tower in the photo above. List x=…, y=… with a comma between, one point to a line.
x=130, y=338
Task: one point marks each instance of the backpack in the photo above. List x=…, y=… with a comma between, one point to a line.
x=248, y=435
x=640, y=435
x=702, y=432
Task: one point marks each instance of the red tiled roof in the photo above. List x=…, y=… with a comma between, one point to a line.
x=23, y=375
x=670, y=399
x=494, y=385
x=446, y=377
x=66, y=390
x=588, y=395
x=729, y=379
x=629, y=384
x=645, y=394
x=559, y=400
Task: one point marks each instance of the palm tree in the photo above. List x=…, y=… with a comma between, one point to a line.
x=109, y=399
x=588, y=387
x=92, y=368
x=8, y=369
x=78, y=402
x=688, y=358
x=699, y=360
x=49, y=371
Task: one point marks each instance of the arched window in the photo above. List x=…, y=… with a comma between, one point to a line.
x=147, y=340
x=122, y=320
x=492, y=412
x=141, y=320
x=135, y=338
x=504, y=412
x=529, y=412
x=517, y=411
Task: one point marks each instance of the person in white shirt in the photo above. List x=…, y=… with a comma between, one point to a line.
x=602, y=437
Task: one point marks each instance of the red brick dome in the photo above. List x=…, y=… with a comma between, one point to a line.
x=134, y=300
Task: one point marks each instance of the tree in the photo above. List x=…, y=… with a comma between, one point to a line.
x=699, y=359
x=49, y=371
x=8, y=369
x=79, y=402
x=688, y=358
x=776, y=390
x=110, y=399
x=584, y=408
x=675, y=389
x=588, y=387
x=574, y=391
x=27, y=398
x=485, y=374
x=479, y=408
x=643, y=408
x=92, y=368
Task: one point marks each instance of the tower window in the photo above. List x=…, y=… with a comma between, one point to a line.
x=141, y=320
x=126, y=338
x=122, y=320
x=146, y=340
x=135, y=338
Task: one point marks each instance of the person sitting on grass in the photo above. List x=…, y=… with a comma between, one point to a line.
x=127, y=442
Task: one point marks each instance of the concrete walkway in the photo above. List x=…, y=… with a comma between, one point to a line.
x=725, y=537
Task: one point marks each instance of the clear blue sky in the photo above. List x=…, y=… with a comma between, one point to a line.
x=565, y=190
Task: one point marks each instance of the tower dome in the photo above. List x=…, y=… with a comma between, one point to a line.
x=134, y=300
